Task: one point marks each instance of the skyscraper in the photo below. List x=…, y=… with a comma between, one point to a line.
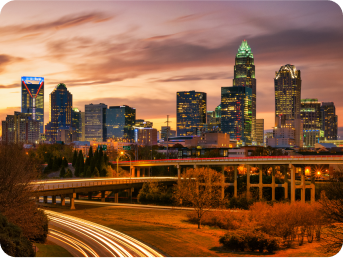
x=260, y=132
x=311, y=116
x=190, y=112
x=329, y=120
x=287, y=84
x=32, y=98
x=214, y=119
x=76, y=122
x=120, y=121
x=236, y=113
x=244, y=76
x=95, y=122
x=61, y=102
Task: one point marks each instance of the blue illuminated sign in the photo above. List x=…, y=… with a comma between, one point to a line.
x=27, y=79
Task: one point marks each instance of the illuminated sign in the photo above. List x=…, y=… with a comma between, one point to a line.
x=30, y=80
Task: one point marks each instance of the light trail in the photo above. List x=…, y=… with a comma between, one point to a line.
x=115, y=243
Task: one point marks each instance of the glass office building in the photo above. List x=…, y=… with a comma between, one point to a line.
x=120, y=121
x=190, y=112
x=236, y=113
x=329, y=120
x=244, y=76
x=76, y=122
x=32, y=98
x=61, y=102
x=311, y=116
x=95, y=121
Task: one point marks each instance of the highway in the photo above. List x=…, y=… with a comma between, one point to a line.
x=88, y=239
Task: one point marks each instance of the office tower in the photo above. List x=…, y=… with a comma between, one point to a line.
x=20, y=128
x=95, y=122
x=166, y=133
x=236, y=113
x=311, y=116
x=260, y=132
x=32, y=98
x=214, y=119
x=61, y=102
x=83, y=130
x=190, y=112
x=329, y=120
x=145, y=136
x=67, y=135
x=244, y=76
x=287, y=133
x=76, y=122
x=287, y=84
x=143, y=123
x=120, y=121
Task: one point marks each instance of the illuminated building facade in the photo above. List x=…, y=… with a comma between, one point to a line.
x=61, y=102
x=311, y=116
x=120, y=121
x=260, y=132
x=145, y=136
x=20, y=128
x=166, y=133
x=95, y=122
x=76, y=123
x=190, y=112
x=32, y=98
x=143, y=123
x=236, y=113
x=214, y=120
x=329, y=120
x=244, y=76
x=287, y=84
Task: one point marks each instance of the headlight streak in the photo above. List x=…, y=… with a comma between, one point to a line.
x=80, y=246
x=105, y=235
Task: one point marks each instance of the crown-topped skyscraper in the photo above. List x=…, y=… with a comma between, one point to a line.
x=244, y=76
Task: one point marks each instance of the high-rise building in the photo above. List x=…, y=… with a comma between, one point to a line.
x=287, y=84
x=236, y=113
x=311, y=116
x=329, y=120
x=95, y=122
x=61, y=102
x=76, y=122
x=83, y=126
x=120, y=121
x=20, y=128
x=143, y=123
x=145, y=136
x=244, y=76
x=260, y=132
x=214, y=119
x=190, y=112
x=32, y=98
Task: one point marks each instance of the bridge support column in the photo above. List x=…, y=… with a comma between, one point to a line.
x=72, y=201
x=90, y=195
x=284, y=171
x=195, y=166
x=292, y=170
x=45, y=199
x=248, y=181
x=63, y=200
x=116, y=197
x=235, y=181
x=103, y=196
x=138, y=172
x=130, y=191
x=260, y=183
x=132, y=171
x=273, y=183
x=303, y=188
x=53, y=199
x=313, y=193
x=178, y=173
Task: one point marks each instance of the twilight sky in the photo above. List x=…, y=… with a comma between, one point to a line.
x=141, y=53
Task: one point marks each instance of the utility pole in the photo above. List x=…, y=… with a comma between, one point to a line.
x=167, y=133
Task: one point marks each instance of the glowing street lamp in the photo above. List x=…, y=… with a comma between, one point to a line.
x=121, y=153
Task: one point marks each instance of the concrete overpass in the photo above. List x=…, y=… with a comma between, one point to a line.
x=73, y=187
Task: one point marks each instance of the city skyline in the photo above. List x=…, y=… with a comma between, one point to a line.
x=188, y=47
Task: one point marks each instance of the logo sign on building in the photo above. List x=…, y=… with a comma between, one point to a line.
x=126, y=147
x=104, y=147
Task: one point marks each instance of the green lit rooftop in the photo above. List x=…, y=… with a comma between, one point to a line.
x=244, y=50
x=61, y=86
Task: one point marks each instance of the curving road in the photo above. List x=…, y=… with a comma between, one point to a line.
x=89, y=239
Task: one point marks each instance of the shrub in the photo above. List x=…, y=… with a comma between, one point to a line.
x=241, y=203
x=272, y=245
x=233, y=241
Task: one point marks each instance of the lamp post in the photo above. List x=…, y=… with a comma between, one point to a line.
x=117, y=161
x=121, y=153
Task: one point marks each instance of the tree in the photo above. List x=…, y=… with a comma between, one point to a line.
x=55, y=165
x=17, y=171
x=81, y=163
x=50, y=163
x=88, y=172
x=65, y=162
x=90, y=152
x=68, y=173
x=332, y=206
x=62, y=172
x=96, y=172
x=199, y=188
x=74, y=158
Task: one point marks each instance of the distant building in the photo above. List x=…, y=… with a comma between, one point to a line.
x=329, y=120
x=95, y=120
x=260, y=132
x=67, y=135
x=190, y=112
x=143, y=123
x=145, y=136
x=32, y=98
x=236, y=115
x=83, y=126
x=61, y=103
x=120, y=121
x=166, y=133
x=244, y=76
x=76, y=122
x=214, y=119
x=20, y=128
x=311, y=116
x=267, y=135
x=211, y=140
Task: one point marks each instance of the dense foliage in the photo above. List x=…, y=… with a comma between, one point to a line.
x=154, y=193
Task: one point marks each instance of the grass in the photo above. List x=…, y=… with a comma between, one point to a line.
x=169, y=232
x=50, y=249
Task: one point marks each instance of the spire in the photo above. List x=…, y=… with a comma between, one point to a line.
x=244, y=50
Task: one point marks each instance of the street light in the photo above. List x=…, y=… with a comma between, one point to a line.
x=121, y=153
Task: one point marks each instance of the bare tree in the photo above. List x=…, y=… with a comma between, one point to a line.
x=17, y=171
x=200, y=188
x=332, y=206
